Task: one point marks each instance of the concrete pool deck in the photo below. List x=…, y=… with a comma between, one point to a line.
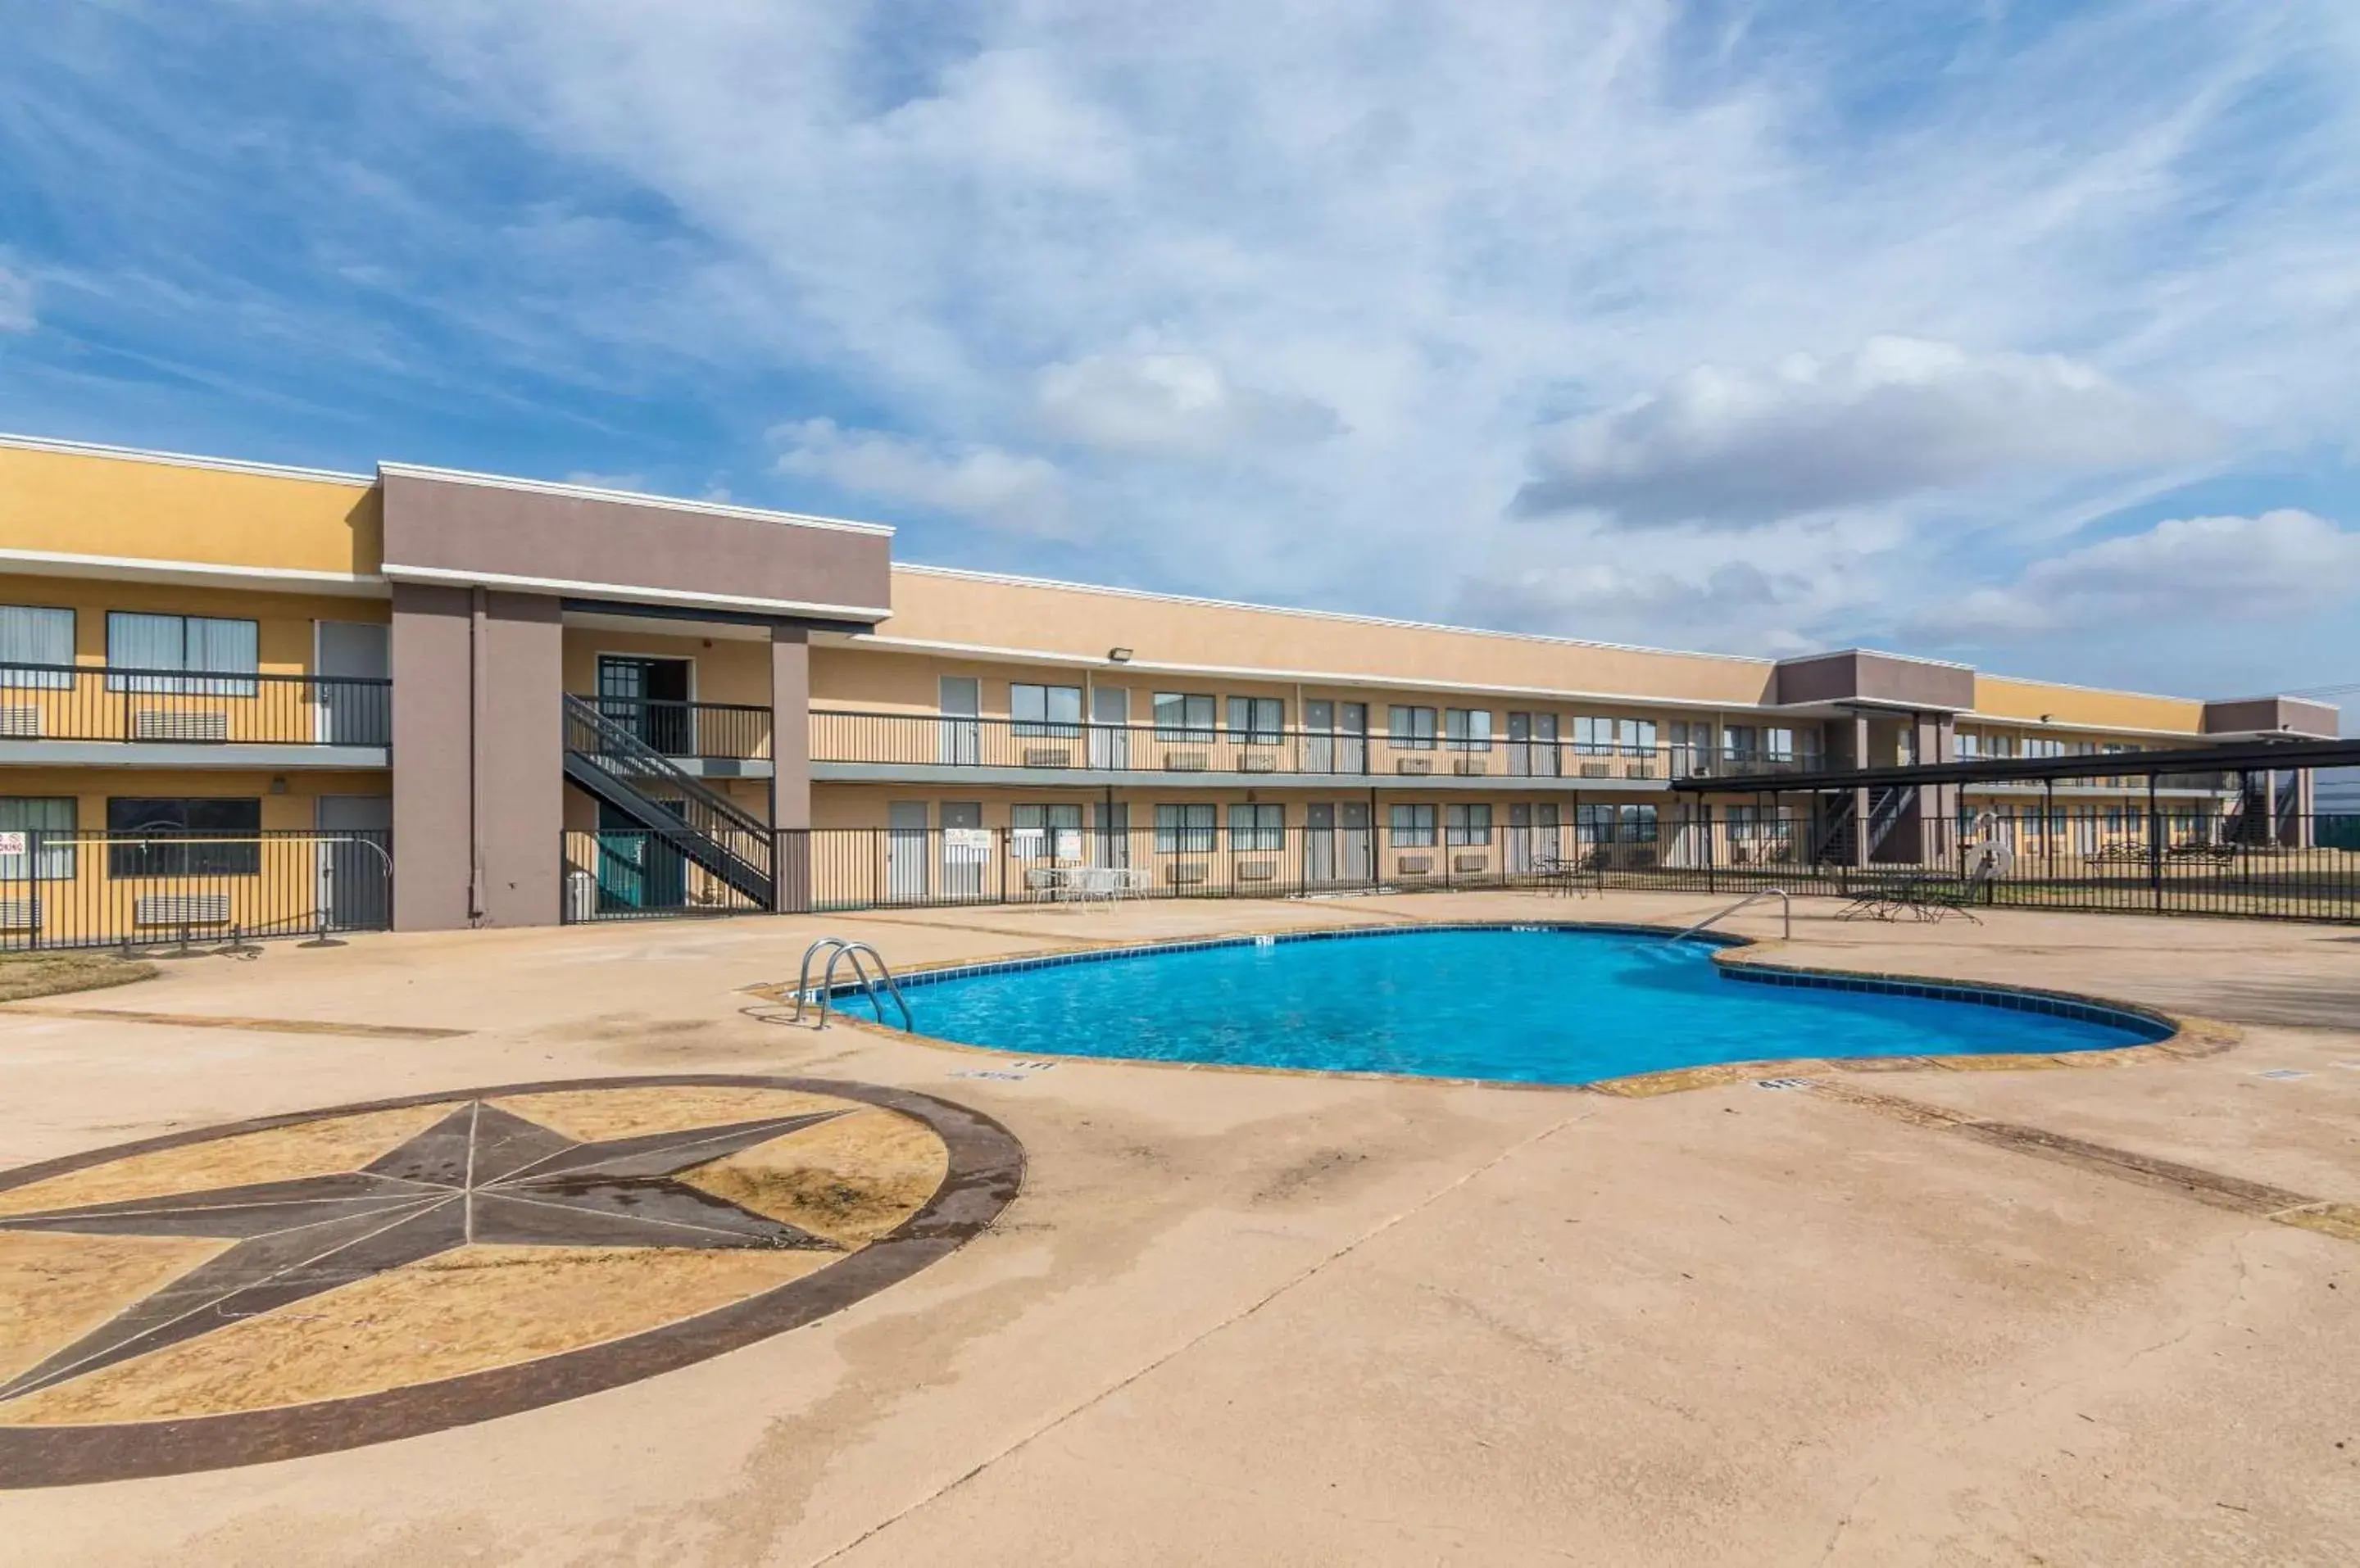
x=1267, y=1318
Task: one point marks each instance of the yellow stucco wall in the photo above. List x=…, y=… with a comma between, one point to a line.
x=285, y=620
x=1085, y=623
x=2000, y=697
x=88, y=505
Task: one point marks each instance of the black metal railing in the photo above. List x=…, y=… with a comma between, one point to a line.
x=133, y=890
x=93, y=703
x=732, y=731
x=933, y=741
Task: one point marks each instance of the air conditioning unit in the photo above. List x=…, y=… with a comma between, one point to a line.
x=20, y=914
x=1472, y=767
x=1413, y=764
x=165, y=723
x=1187, y=761
x=1414, y=865
x=180, y=909
x=20, y=723
x=1257, y=762
x=1188, y=871
x=1257, y=870
x=1596, y=770
x=1470, y=863
x=1048, y=756
x=1640, y=770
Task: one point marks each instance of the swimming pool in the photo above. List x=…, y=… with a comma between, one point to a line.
x=1522, y=1004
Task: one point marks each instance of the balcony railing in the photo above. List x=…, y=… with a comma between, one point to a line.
x=926, y=740
x=101, y=702
x=714, y=731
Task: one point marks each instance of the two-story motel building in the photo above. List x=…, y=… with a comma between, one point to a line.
x=539, y=696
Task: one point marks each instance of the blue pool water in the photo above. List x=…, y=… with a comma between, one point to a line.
x=1534, y=1005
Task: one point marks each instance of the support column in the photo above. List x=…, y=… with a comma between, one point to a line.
x=790, y=884
x=1860, y=797
x=479, y=782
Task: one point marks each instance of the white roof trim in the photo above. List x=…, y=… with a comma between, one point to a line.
x=631, y=497
x=627, y=594
x=273, y=579
x=181, y=460
x=974, y=576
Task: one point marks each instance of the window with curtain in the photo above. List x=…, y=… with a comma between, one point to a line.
x=1413, y=827
x=1638, y=737
x=149, y=836
x=35, y=635
x=41, y=814
x=1410, y=729
x=1184, y=829
x=1592, y=736
x=210, y=649
x=1256, y=720
x=1467, y=825
x=1257, y=827
x=1045, y=710
x=1184, y=716
x=1051, y=830
x=1468, y=729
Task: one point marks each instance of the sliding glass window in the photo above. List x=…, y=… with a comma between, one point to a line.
x=209, y=648
x=36, y=635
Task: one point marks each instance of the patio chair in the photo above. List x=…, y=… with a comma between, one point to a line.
x=1048, y=879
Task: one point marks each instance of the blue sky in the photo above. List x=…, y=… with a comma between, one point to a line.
x=2022, y=333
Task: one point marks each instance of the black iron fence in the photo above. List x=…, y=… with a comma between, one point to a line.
x=2168, y=864
x=134, y=890
x=633, y=874
x=60, y=701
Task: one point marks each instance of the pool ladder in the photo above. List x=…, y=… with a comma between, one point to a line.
x=838, y=949
x=1786, y=912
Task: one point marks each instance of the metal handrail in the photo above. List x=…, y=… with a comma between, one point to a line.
x=1785, y=909
x=838, y=948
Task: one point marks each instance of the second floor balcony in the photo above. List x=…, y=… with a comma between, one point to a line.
x=59, y=712
x=852, y=744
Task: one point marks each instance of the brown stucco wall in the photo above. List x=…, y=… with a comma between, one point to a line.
x=2254, y=714
x=599, y=547
x=1875, y=677
x=519, y=754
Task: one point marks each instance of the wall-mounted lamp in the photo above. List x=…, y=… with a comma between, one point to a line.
x=2048, y=718
x=278, y=786
x=1118, y=655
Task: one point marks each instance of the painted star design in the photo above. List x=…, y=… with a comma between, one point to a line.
x=480, y=1175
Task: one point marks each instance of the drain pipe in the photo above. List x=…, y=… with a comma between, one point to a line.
x=478, y=617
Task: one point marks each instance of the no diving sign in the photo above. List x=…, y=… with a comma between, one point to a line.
x=12, y=843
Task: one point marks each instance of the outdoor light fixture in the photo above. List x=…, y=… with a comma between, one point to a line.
x=1118, y=655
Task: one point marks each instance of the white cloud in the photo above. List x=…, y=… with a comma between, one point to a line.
x=1002, y=490
x=15, y=302
x=2278, y=566
x=1891, y=419
x=1736, y=606
x=1345, y=259
x=1171, y=405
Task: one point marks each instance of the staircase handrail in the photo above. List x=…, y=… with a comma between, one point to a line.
x=617, y=742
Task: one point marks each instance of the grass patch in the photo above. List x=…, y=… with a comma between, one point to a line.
x=52, y=973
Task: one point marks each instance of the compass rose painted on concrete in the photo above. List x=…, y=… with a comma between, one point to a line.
x=341, y=1277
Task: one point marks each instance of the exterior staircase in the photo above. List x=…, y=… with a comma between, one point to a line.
x=612, y=764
